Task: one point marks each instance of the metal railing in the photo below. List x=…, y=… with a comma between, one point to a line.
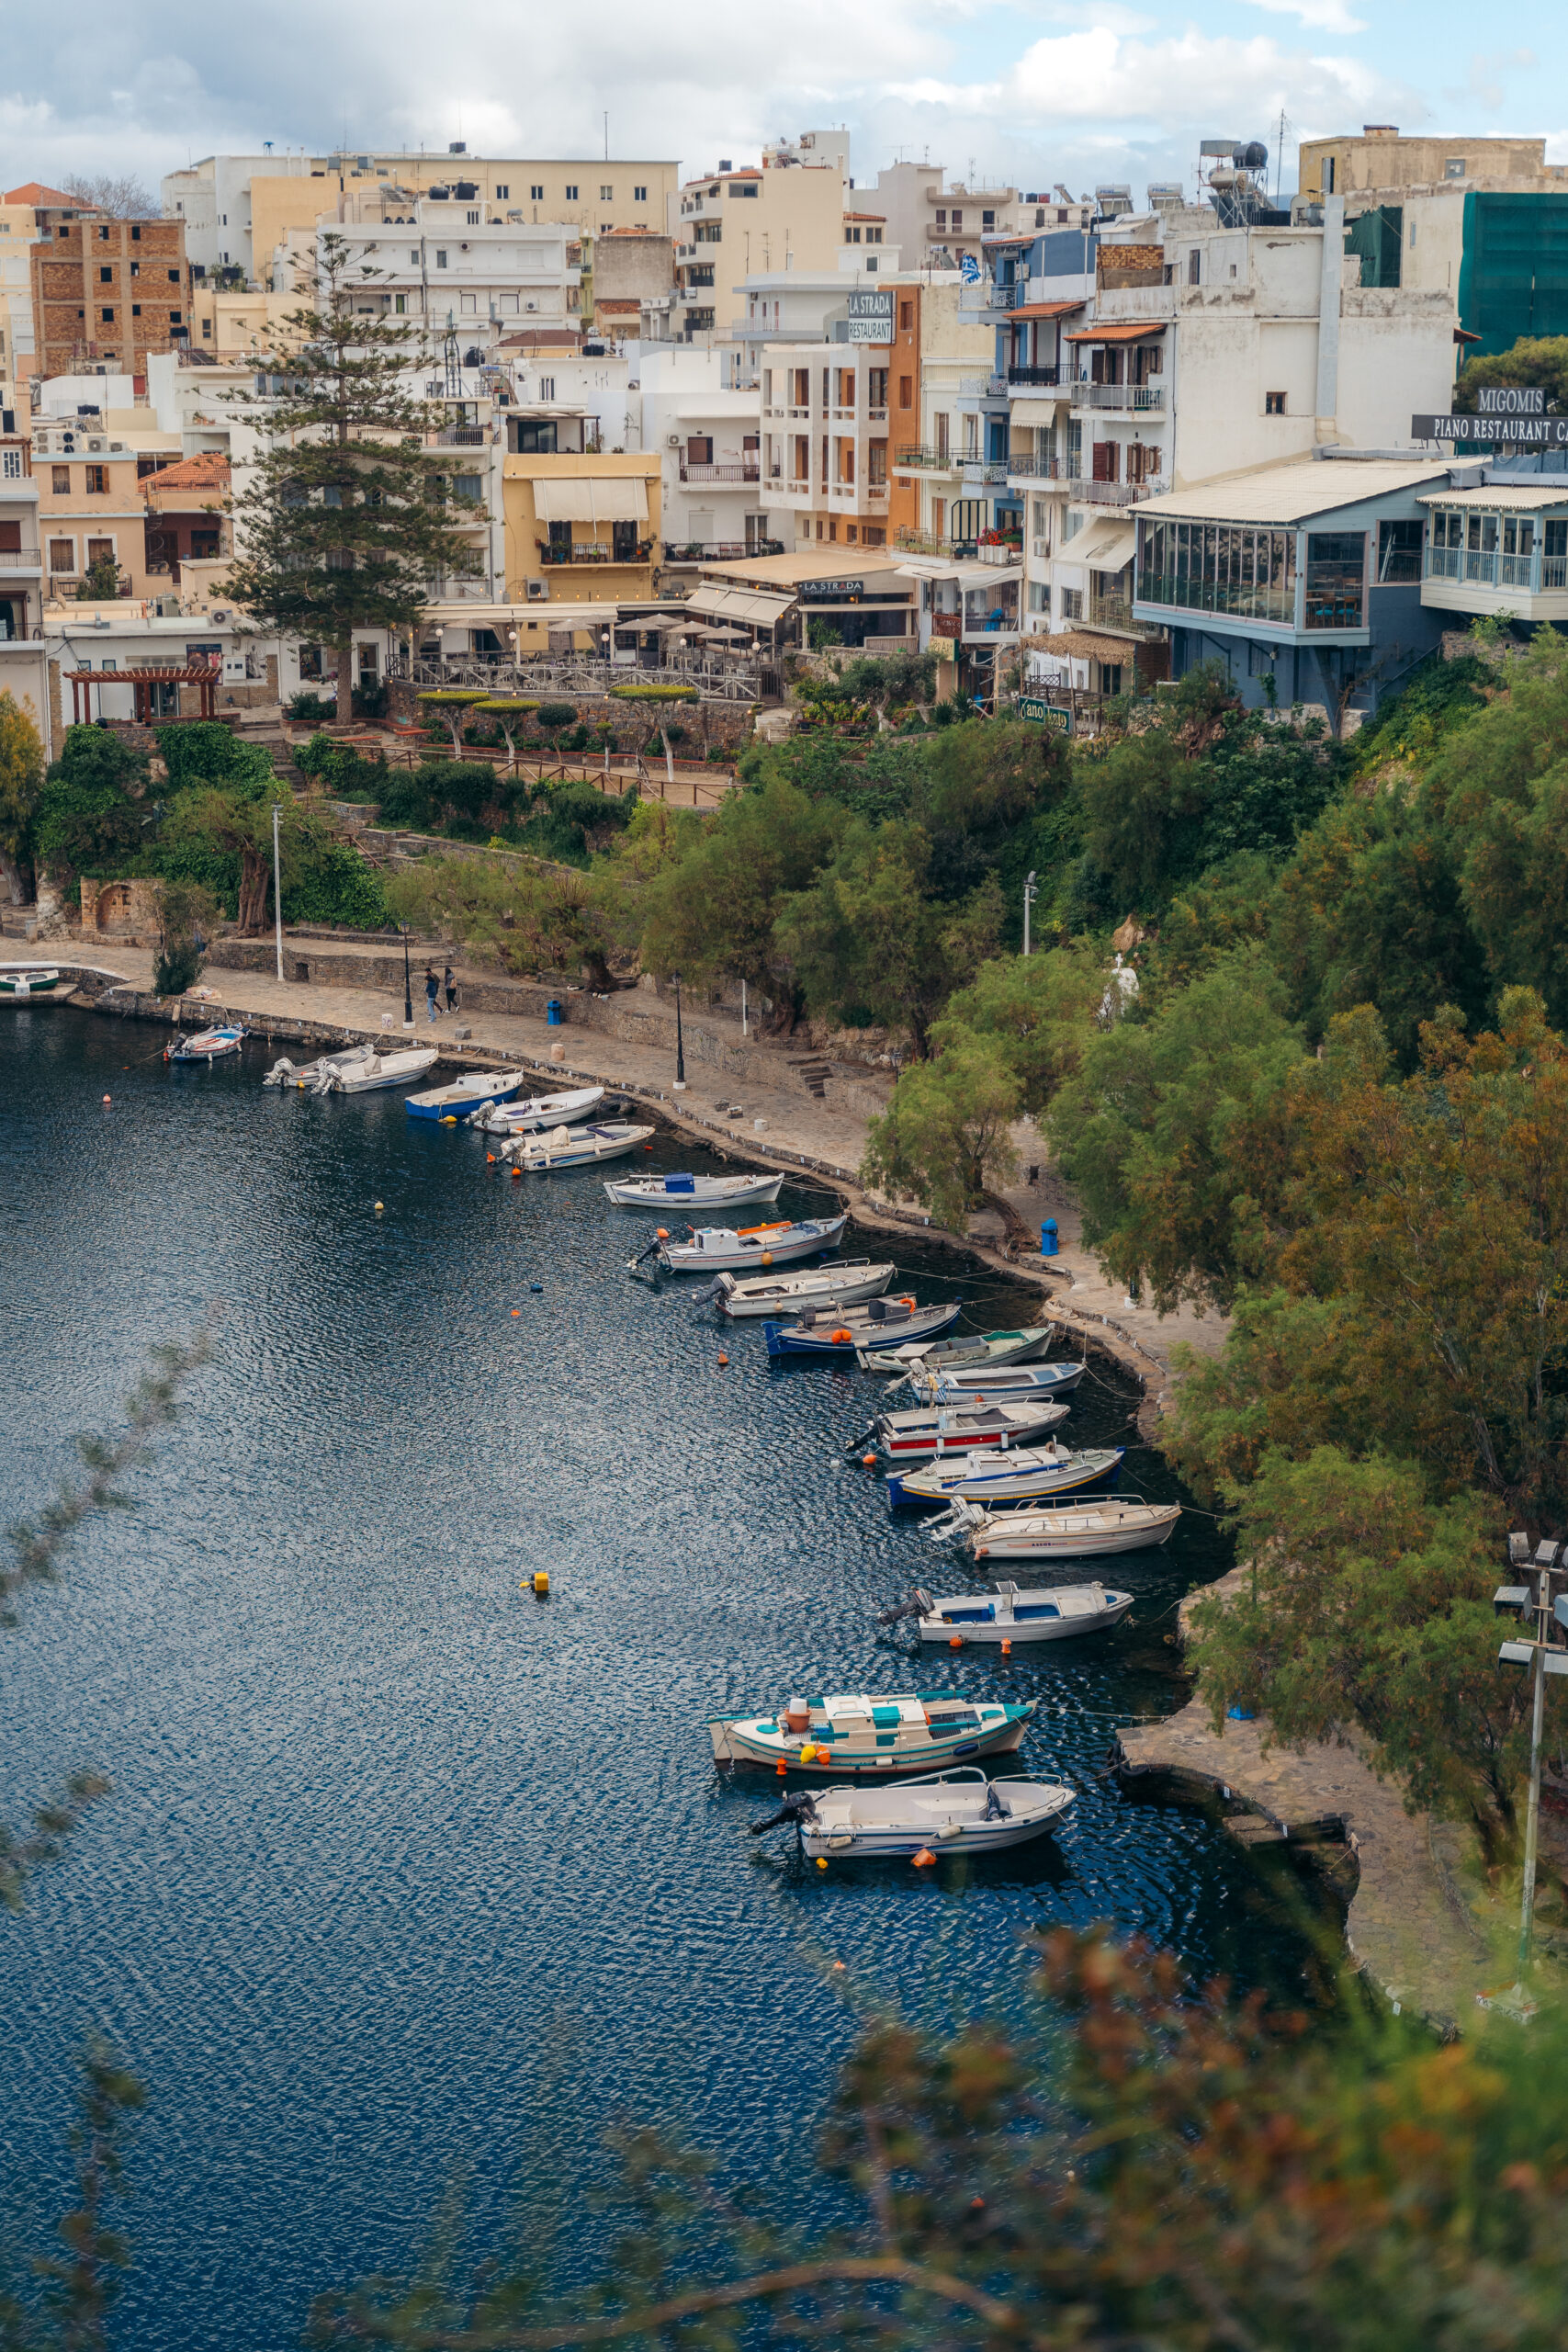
x=1109, y=493
x=914, y=542
x=595, y=551
x=980, y=471
x=717, y=677
x=1136, y=399
x=23, y=559
x=458, y=436
x=982, y=387
x=1023, y=468
x=726, y=470
x=941, y=461
x=1518, y=571
x=719, y=551
x=1554, y=571
x=1030, y=379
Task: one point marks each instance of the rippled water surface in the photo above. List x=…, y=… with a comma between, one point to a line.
x=403, y=1866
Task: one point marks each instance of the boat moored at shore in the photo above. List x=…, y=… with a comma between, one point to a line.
x=956, y=1812
x=476, y=1090
x=740, y=1298
x=1022, y=1474
x=715, y=1249
x=1010, y=1614
x=682, y=1192
x=207, y=1045
x=866, y=1737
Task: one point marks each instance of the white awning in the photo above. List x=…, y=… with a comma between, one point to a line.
x=618, y=498
x=563, y=501
x=739, y=604
x=1107, y=545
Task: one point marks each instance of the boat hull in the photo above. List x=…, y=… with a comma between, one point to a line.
x=211, y=1045
x=1003, y=1385
x=844, y=1826
x=755, y=1740
x=710, y=1192
x=457, y=1103
x=539, y=1112
x=847, y=1338
x=833, y=1286
x=1037, y=1538
x=1036, y=1483
x=590, y=1148
x=933, y=1443
x=727, y=1254
x=992, y=1633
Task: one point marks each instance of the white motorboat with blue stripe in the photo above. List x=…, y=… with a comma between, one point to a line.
x=1010, y=1614
x=678, y=1191
x=539, y=1112
x=711, y=1248
x=987, y=1384
x=475, y=1091
x=1025, y=1475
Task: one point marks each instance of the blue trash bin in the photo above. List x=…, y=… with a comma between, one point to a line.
x=1048, y=1237
x=555, y=1014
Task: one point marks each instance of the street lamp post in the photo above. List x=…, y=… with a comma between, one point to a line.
x=408, y=984
x=680, y=1046
x=277, y=888
x=1543, y=1657
x=1031, y=893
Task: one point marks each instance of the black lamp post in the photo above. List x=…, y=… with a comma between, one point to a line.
x=408, y=984
x=679, y=1049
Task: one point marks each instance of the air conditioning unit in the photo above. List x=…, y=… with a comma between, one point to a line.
x=96, y=445
x=671, y=440
x=538, y=591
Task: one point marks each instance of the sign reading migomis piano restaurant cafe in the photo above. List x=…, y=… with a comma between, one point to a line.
x=1513, y=415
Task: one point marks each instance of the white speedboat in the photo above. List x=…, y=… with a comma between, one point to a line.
x=982, y=1348
x=713, y=1248
x=539, y=1112
x=574, y=1147
x=32, y=983
x=1010, y=1615
x=677, y=1192
x=1085, y=1529
x=473, y=1091
x=845, y=1285
x=965, y=1428
x=869, y=1736
x=998, y=1382
x=958, y=1812
x=1022, y=1474
x=367, y=1073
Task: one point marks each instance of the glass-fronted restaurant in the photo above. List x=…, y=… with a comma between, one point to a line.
x=1499, y=548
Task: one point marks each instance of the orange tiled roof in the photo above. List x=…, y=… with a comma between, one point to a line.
x=205, y=476
x=36, y=193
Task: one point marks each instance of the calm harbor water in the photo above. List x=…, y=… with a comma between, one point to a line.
x=405, y=1869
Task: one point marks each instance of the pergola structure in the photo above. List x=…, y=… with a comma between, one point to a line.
x=205, y=674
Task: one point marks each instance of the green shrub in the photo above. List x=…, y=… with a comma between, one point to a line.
x=555, y=715
x=653, y=694
x=337, y=887
x=308, y=704
x=206, y=753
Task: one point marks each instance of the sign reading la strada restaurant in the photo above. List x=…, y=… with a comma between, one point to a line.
x=1512, y=414
x=871, y=317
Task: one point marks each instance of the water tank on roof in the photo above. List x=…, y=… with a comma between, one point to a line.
x=1253, y=157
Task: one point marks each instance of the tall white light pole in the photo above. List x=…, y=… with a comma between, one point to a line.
x=1030, y=894
x=277, y=886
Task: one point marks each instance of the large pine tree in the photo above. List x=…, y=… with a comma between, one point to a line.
x=344, y=519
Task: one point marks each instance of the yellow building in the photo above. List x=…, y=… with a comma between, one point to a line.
x=585, y=528
x=732, y=225
x=1382, y=159
x=238, y=326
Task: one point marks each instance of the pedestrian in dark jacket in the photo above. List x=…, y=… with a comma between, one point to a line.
x=431, y=993
x=451, y=990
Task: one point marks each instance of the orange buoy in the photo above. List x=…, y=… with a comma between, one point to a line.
x=868, y=1462
x=490, y=1159
x=661, y=1233
x=924, y=1859
x=780, y=1770
x=1006, y=1648
x=956, y=1643
x=767, y=1257
x=517, y=1172
x=106, y=1098
x=723, y=1360
x=647, y=1146
x=840, y=1338
x=517, y=1310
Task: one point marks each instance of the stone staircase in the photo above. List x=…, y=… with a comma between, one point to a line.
x=813, y=1071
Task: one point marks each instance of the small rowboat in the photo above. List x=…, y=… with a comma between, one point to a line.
x=477, y=1089
x=835, y=1332
x=1071, y=1530
x=539, y=1112
x=32, y=983
x=688, y=1191
x=209, y=1046
x=1027, y=1475
x=825, y=1287
x=989, y=1383
x=713, y=1247
x=868, y=1737
x=1010, y=1615
x=574, y=1147
x=982, y=1348
x=934, y=1433
x=958, y=1812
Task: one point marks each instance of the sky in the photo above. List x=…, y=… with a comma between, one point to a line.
x=1029, y=91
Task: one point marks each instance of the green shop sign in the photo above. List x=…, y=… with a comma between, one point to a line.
x=1059, y=721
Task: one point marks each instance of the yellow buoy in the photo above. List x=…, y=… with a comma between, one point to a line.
x=448, y=1121
x=541, y=1581
x=380, y=1207
x=822, y=1865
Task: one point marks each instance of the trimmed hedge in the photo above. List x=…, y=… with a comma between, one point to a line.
x=653, y=694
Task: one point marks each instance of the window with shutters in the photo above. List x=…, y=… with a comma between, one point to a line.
x=98, y=481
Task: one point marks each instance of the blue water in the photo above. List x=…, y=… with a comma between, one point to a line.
x=404, y=1868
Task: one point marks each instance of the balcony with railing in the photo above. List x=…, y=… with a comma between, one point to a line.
x=980, y=473
x=458, y=436
x=592, y=551
x=912, y=542
x=1038, y=380
x=719, y=551
x=1085, y=492
x=724, y=470
x=982, y=387
x=905, y=460
x=1023, y=467
x=1134, y=399
x=21, y=558
x=1116, y=612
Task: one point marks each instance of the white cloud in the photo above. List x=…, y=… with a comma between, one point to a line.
x=1318, y=15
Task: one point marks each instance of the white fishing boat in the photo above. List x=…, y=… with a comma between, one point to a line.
x=474, y=1091
x=680, y=1191
x=33, y=983
x=574, y=1147
x=1009, y=1614
x=844, y=1331
x=367, y=1072
x=1022, y=1474
x=714, y=1248
x=823, y=1287
x=934, y=1432
x=207, y=1045
x=869, y=1736
x=976, y=1349
x=998, y=1382
x=539, y=1112
x=958, y=1812
x=1085, y=1529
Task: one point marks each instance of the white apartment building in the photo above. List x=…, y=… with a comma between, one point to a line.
x=22, y=549
x=826, y=450
x=1205, y=351
x=709, y=437
x=461, y=271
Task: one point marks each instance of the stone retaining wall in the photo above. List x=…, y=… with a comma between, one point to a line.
x=717, y=725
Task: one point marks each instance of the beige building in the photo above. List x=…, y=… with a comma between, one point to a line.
x=582, y=528
x=238, y=209
x=1382, y=159
x=729, y=226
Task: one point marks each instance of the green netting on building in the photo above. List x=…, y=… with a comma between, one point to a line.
x=1378, y=237
x=1513, y=279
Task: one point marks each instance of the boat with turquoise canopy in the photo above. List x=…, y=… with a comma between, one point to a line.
x=865, y=1735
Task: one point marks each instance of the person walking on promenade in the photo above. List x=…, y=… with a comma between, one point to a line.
x=431, y=993
x=451, y=987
